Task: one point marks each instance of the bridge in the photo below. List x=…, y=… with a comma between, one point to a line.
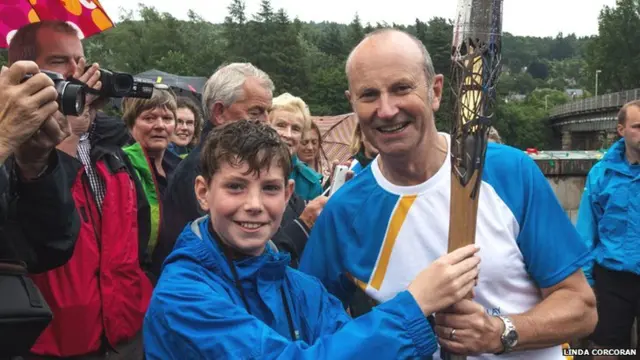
x=589, y=124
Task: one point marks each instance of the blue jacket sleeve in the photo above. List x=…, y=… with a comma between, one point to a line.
x=587, y=224
x=194, y=322
x=321, y=256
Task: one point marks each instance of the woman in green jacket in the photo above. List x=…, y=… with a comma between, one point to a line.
x=152, y=123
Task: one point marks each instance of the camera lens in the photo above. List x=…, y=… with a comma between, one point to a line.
x=71, y=98
x=122, y=83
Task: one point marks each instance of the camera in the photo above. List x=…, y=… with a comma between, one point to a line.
x=119, y=85
x=71, y=96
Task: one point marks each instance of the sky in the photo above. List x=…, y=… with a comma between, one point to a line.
x=521, y=17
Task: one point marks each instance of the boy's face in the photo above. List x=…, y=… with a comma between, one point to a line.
x=246, y=209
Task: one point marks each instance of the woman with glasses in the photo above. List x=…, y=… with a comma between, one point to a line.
x=152, y=123
x=188, y=127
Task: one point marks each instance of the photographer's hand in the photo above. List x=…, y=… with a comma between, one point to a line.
x=91, y=77
x=24, y=106
x=80, y=124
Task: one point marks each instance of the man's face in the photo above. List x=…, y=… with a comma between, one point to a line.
x=630, y=131
x=389, y=93
x=246, y=208
x=59, y=52
x=253, y=105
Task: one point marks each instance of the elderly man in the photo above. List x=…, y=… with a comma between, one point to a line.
x=392, y=219
x=99, y=297
x=39, y=224
x=234, y=92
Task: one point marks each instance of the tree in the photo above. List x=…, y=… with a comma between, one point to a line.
x=355, y=32
x=538, y=70
x=615, y=50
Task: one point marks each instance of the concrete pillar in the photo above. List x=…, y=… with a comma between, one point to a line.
x=566, y=140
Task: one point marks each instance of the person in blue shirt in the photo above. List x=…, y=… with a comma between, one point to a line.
x=380, y=229
x=225, y=293
x=609, y=223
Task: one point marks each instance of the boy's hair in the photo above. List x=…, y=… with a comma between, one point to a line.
x=253, y=142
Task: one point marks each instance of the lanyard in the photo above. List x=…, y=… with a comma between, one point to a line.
x=236, y=280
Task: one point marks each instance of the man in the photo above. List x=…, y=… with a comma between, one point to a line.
x=608, y=220
x=38, y=221
x=531, y=287
x=234, y=92
x=100, y=296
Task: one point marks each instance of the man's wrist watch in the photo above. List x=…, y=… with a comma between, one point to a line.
x=509, y=337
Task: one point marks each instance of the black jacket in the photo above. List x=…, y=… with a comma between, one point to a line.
x=39, y=223
x=181, y=207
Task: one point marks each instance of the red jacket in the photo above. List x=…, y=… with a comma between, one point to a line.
x=102, y=292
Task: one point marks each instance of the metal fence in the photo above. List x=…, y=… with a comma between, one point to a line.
x=595, y=104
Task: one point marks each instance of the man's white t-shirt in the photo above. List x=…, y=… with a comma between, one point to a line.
x=380, y=236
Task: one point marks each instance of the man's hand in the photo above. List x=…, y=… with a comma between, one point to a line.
x=32, y=156
x=80, y=124
x=476, y=332
x=335, y=163
x=24, y=107
x=313, y=210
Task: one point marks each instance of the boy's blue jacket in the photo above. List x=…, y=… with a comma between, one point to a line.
x=196, y=312
x=609, y=214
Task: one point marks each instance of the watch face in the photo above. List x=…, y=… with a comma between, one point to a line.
x=511, y=337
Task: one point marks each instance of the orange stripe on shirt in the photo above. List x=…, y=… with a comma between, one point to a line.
x=397, y=219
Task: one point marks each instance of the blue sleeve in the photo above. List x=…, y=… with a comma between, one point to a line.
x=196, y=323
x=550, y=245
x=587, y=225
x=321, y=255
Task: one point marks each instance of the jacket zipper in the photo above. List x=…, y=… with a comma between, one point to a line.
x=155, y=185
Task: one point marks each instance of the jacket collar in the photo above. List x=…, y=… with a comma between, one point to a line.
x=197, y=244
x=616, y=160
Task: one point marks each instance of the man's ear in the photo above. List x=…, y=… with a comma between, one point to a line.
x=435, y=93
x=202, y=190
x=620, y=129
x=347, y=94
x=217, y=112
x=289, y=188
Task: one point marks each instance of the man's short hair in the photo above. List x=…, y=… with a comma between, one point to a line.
x=24, y=44
x=250, y=141
x=186, y=103
x=225, y=85
x=294, y=104
x=133, y=107
x=622, y=114
x=429, y=70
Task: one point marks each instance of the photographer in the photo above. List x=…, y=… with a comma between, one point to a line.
x=38, y=221
x=99, y=297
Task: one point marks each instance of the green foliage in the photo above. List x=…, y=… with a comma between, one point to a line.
x=615, y=50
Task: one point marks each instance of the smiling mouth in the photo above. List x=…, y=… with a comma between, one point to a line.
x=392, y=128
x=251, y=226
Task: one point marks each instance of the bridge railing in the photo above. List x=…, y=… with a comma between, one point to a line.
x=594, y=104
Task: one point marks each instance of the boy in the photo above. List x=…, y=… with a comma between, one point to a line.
x=226, y=294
